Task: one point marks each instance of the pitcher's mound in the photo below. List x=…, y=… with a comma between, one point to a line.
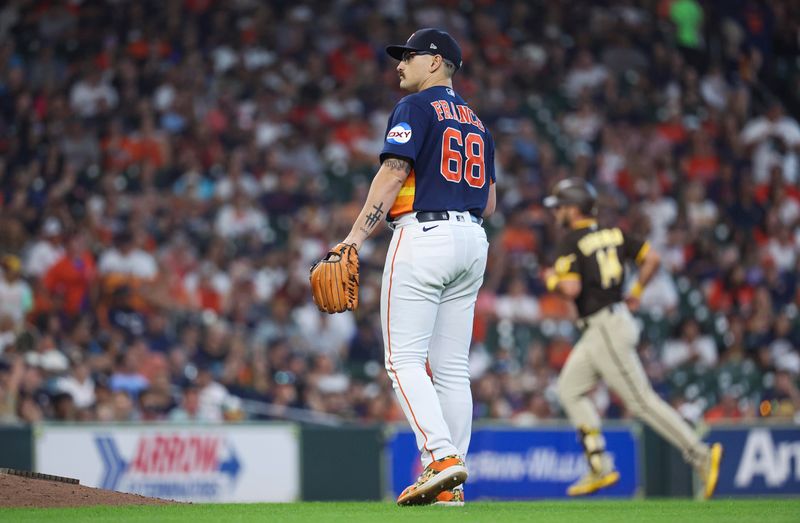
x=17, y=491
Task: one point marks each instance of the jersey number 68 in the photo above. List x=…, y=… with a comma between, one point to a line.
x=452, y=161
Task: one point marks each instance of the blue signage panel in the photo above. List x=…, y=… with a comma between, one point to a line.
x=523, y=464
x=758, y=460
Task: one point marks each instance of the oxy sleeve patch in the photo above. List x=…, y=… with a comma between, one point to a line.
x=399, y=134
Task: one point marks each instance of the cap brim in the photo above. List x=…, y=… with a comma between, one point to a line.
x=396, y=51
x=551, y=202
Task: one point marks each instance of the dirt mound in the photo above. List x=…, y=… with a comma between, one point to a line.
x=16, y=491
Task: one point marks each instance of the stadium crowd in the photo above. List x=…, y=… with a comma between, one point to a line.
x=170, y=170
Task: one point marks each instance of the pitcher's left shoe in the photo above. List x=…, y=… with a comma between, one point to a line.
x=450, y=498
x=442, y=474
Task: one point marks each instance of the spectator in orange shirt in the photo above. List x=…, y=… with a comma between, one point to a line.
x=517, y=237
x=702, y=163
x=726, y=410
x=70, y=279
x=118, y=148
x=150, y=146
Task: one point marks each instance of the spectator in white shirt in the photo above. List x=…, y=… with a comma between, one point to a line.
x=126, y=259
x=701, y=212
x=773, y=138
x=782, y=250
x=662, y=212
x=126, y=270
x=585, y=74
x=691, y=347
x=79, y=384
x=212, y=398
x=92, y=96
x=46, y=251
x=241, y=219
x=517, y=304
x=660, y=297
x=584, y=123
x=237, y=179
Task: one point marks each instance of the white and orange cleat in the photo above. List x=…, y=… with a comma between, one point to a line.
x=442, y=474
x=450, y=498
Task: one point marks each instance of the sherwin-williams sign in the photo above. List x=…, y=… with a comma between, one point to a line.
x=758, y=460
x=201, y=463
x=523, y=464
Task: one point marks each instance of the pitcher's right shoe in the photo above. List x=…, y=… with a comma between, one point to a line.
x=450, y=498
x=442, y=474
x=592, y=481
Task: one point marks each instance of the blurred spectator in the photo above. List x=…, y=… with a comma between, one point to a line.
x=79, y=385
x=726, y=410
x=46, y=250
x=660, y=297
x=189, y=408
x=71, y=279
x=535, y=409
x=212, y=396
x=784, y=401
x=122, y=408
x=11, y=373
x=688, y=16
x=64, y=407
x=127, y=377
x=125, y=263
x=517, y=305
x=16, y=297
x=241, y=219
x=47, y=356
x=689, y=348
x=774, y=139
x=92, y=95
x=585, y=76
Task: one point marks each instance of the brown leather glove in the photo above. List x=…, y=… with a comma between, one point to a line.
x=334, y=280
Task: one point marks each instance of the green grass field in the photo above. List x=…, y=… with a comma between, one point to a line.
x=731, y=511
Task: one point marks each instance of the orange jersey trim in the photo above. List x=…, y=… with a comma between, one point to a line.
x=404, y=203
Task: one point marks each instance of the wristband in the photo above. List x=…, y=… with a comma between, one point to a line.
x=636, y=290
x=552, y=282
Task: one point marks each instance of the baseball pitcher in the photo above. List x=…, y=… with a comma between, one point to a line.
x=590, y=269
x=435, y=185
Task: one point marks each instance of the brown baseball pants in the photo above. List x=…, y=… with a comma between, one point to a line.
x=607, y=350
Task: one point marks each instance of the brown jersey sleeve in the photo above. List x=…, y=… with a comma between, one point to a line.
x=635, y=249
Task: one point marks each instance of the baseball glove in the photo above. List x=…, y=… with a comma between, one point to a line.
x=334, y=280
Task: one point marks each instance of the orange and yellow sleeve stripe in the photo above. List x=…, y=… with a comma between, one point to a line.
x=404, y=203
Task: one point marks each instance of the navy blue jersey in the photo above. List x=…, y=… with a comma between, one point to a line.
x=450, y=150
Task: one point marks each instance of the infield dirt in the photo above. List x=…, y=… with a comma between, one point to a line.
x=16, y=491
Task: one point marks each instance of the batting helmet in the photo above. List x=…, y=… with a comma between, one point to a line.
x=573, y=191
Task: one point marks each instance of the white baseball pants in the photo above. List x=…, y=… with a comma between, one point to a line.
x=430, y=283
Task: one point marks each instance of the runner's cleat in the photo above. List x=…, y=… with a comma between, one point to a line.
x=591, y=482
x=711, y=471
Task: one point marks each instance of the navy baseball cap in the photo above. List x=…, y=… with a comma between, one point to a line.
x=429, y=41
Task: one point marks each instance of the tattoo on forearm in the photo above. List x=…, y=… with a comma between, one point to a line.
x=396, y=163
x=374, y=217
